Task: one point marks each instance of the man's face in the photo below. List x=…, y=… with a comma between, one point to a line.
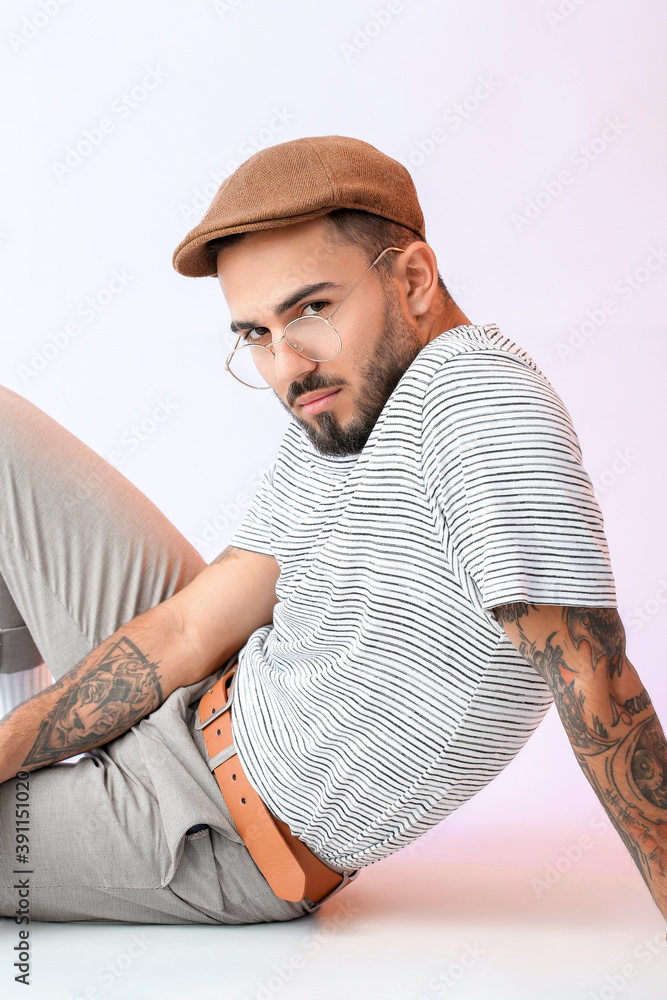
x=337, y=402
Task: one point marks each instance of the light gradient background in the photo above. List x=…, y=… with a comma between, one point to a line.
x=571, y=285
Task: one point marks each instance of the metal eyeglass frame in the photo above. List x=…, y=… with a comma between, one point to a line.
x=325, y=319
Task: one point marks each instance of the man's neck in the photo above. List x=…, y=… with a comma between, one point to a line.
x=449, y=318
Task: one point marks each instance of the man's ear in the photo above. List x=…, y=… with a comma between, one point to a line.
x=417, y=271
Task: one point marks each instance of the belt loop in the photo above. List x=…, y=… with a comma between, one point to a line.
x=221, y=757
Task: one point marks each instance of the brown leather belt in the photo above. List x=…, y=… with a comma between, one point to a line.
x=291, y=869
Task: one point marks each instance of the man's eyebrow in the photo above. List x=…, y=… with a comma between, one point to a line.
x=301, y=293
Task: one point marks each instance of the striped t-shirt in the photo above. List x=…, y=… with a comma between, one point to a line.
x=385, y=693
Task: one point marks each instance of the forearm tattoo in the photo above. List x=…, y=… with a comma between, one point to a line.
x=618, y=740
x=104, y=696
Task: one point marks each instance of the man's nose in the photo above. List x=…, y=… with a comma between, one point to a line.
x=290, y=365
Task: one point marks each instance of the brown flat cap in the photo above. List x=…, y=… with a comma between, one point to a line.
x=299, y=180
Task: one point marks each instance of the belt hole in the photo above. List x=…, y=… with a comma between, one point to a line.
x=218, y=731
x=233, y=777
x=243, y=801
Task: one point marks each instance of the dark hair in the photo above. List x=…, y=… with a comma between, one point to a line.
x=352, y=227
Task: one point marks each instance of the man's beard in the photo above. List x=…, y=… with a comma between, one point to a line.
x=394, y=352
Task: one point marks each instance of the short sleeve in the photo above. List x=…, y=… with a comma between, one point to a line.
x=254, y=533
x=503, y=470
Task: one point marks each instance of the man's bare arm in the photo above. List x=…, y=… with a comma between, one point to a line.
x=609, y=720
x=178, y=642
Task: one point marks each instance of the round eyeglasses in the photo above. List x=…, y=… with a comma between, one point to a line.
x=312, y=337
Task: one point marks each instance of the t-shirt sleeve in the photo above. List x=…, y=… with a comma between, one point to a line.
x=254, y=533
x=503, y=469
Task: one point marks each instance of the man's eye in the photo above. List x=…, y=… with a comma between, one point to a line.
x=313, y=305
x=258, y=335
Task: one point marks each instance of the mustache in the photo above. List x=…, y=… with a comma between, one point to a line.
x=310, y=383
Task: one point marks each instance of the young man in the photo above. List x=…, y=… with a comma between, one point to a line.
x=423, y=570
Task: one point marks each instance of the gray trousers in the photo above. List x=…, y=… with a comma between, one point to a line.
x=82, y=551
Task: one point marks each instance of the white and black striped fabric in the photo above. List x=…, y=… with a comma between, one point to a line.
x=385, y=693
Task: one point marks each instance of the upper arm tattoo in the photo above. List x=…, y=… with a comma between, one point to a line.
x=611, y=724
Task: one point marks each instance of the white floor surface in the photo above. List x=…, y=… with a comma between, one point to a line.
x=538, y=920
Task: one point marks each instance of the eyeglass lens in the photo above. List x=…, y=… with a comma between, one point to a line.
x=310, y=336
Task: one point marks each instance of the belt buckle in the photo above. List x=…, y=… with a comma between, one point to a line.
x=202, y=723
x=346, y=881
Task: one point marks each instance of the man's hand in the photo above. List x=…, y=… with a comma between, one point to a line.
x=609, y=720
x=178, y=642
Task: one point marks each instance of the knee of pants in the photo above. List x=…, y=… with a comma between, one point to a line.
x=8, y=407
x=14, y=410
